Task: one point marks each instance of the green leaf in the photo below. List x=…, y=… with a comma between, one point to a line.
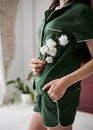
x=26, y=89
x=33, y=96
x=21, y=86
x=30, y=75
x=18, y=79
x=13, y=97
x=10, y=82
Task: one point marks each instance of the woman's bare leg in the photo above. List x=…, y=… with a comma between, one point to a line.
x=35, y=122
x=59, y=127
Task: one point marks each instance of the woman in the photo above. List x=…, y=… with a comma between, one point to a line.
x=66, y=38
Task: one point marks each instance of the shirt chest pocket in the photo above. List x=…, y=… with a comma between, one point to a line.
x=52, y=33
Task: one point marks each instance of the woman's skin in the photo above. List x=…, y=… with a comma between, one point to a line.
x=36, y=123
x=58, y=87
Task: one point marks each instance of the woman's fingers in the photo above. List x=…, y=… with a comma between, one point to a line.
x=37, y=61
x=36, y=71
x=36, y=66
x=48, y=85
x=54, y=97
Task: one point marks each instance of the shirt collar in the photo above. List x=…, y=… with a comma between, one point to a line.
x=50, y=12
x=69, y=2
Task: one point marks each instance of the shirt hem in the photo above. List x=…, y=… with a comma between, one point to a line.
x=47, y=126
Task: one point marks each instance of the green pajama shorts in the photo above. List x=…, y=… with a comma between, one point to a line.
x=63, y=111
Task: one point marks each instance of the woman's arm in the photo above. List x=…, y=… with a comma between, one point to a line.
x=58, y=87
x=86, y=70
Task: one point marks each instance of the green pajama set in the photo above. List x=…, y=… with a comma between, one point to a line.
x=74, y=20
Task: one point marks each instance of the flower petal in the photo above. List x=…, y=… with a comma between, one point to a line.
x=52, y=51
x=49, y=59
x=50, y=43
x=63, y=40
x=44, y=49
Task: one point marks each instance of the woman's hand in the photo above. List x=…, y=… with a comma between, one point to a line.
x=36, y=65
x=57, y=88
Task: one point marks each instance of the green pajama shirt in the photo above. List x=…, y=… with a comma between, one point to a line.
x=75, y=20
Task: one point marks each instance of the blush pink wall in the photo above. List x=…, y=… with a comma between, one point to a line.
x=86, y=97
x=92, y=3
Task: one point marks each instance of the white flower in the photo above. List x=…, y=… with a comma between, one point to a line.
x=44, y=49
x=48, y=50
x=50, y=43
x=49, y=59
x=63, y=40
x=52, y=51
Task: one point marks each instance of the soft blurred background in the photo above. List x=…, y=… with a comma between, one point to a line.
x=19, y=22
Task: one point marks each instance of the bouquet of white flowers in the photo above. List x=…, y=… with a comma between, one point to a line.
x=50, y=50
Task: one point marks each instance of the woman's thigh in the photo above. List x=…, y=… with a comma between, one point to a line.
x=59, y=127
x=35, y=122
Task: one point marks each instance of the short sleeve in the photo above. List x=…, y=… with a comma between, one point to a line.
x=83, y=28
